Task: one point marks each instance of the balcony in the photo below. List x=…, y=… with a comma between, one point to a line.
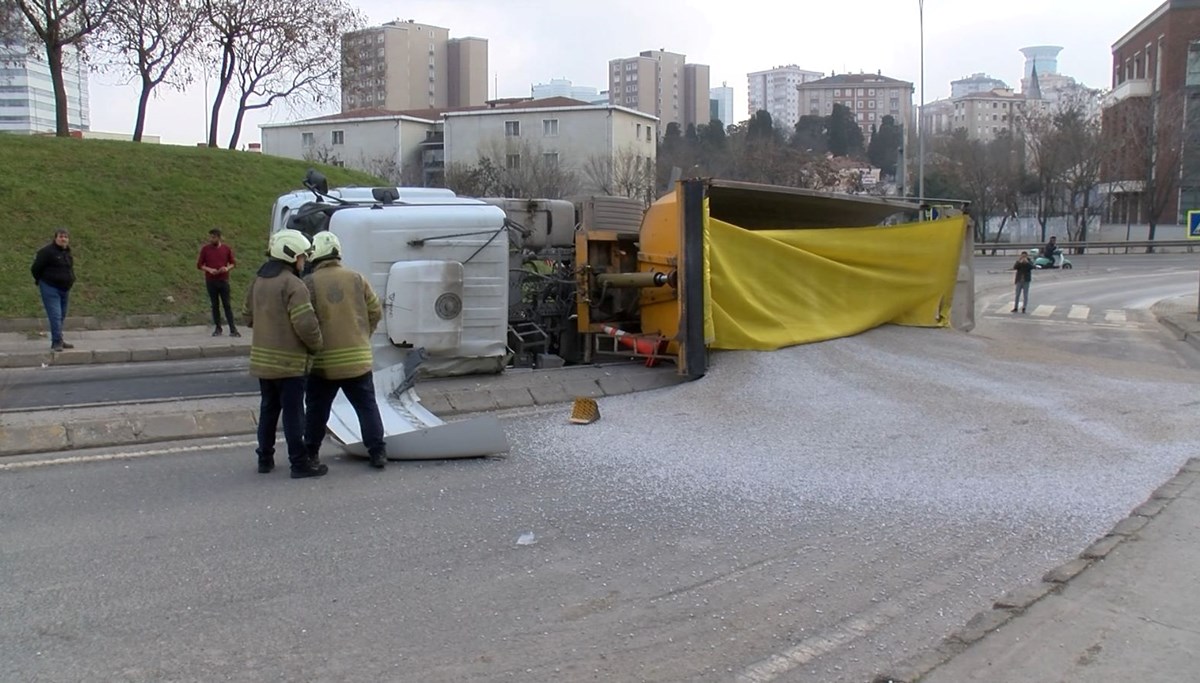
x=1134, y=87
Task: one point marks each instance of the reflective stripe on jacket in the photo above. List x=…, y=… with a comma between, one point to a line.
x=285, y=329
x=348, y=311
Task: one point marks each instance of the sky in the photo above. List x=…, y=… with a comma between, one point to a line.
x=532, y=41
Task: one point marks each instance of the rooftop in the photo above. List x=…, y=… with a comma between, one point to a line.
x=853, y=79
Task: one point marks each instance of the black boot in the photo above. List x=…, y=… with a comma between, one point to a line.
x=308, y=469
x=266, y=463
x=379, y=460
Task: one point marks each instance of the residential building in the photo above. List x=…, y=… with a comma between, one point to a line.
x=774, y=91
x=404, y=65
x=27, y=94
x=937, y=117
x=984, y=115
x=1150, y=116
x=977, y=82
x=1042, y=81
x=414, y=147
x=721, y=103
x=870, y=97
x=576, y=135
x=563, y=87
x=661, y=84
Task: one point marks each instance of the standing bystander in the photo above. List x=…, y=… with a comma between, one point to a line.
x=216, y=260
x=1024, y=276
x=54, y=273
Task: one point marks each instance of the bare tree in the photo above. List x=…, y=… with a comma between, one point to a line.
x=61, y=24
x=625, y=173
x=521, y=169
x=292, y=60
x=1046, y=162
x=154, y=37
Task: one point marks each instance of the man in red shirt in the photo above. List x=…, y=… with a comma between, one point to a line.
x=216, y=260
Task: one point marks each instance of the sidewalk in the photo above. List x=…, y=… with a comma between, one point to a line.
x=1126, y=609
x=30, y=349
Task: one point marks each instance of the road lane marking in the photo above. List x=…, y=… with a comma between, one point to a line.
x=1117, y=316
x=126, y=455
x=1043, y=311
x=1079, y=312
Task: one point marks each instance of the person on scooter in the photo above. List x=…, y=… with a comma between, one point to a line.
x=1051, y=251
x=1024, y=268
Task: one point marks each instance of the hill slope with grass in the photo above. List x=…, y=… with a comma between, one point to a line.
x=138, y=214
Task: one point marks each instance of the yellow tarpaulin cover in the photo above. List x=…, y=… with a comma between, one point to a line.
x=768, y=289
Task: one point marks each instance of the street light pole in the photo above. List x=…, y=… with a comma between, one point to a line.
x=921, y=111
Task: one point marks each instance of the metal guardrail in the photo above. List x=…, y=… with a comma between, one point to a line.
x=1110, y=247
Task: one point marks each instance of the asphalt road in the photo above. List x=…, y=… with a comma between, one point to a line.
x=810, y=514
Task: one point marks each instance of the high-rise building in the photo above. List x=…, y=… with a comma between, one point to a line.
x=774, y=91
x=1043, y=59
x=404, y=65
x=27, y=93
x=722, y=107
x=661, y=83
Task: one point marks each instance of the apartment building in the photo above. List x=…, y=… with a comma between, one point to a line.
x=563, y=87
x=404, y=65
x=1155, y=80
x=774, y=91
x=869, y=97
x=27, y=94
x=661, y=84
x=977, y=82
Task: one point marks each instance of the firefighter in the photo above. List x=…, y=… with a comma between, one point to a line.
x=348, y=311
x=279, y=310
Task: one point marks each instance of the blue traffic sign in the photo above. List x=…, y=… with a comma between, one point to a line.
x=1193, y=225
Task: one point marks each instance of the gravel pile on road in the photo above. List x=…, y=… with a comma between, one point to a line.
x=897, y=418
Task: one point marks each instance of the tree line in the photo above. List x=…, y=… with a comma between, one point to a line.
x=263, y=51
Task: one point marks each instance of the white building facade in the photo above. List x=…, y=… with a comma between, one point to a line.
x=387, y=145
x=27, y=93
x=572, y=137
x=774, y=91
x=563, y=87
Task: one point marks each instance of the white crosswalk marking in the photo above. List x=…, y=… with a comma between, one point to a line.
x=1044, y=311
x=1117, y=316
x=1068, y=314
x=1079, y=312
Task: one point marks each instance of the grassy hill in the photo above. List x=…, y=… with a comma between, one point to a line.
x=138, y=214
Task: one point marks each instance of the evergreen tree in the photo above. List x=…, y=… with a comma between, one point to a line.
x=884, y=149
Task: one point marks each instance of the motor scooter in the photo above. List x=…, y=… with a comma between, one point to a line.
x=1058, y=261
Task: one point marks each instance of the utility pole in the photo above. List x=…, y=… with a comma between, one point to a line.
x=921, y=111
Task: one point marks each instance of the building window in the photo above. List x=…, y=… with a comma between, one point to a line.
x=307, y=139
x=639, y=131
x=512, y=161
x=837, y=92
x=870, y=104
x=649, y=133
x=550, y=127
x=871, y=92
x=512, y=129
x=551, y=158
x=860, y=92
x=338, y=137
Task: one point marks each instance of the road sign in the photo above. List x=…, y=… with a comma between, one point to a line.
x=1193, y=225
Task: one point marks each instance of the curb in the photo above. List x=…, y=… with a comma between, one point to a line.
x=37, y=359
x=1015, y=602
x=65, y=433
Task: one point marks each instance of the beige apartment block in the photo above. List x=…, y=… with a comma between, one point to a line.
x=404, y=65
x=661, y=84
x=774, y=91
x=870, y=97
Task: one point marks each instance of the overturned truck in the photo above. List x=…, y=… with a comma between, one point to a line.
x=476, y=285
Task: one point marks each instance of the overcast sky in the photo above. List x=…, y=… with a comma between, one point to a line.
x=532, y=41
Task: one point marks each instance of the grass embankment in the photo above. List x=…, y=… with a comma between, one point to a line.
x=138, y=214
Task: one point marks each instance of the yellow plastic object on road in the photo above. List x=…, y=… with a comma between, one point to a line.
x=767, y=289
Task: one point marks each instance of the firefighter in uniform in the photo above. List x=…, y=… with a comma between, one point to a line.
x=286, y=334
x=348, y=311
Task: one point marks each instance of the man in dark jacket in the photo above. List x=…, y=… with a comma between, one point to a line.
x=349, y=311
x=54, y=273
x=279, y=310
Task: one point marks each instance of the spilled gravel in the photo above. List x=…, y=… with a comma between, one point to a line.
x=929, y=470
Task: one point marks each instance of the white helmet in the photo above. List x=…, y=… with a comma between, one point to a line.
x=326, y=245
x=288, y=244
